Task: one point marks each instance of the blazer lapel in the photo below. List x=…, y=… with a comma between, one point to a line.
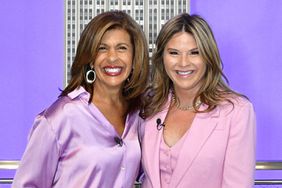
x=151, y=148
x=152, y=156
x=202, y=127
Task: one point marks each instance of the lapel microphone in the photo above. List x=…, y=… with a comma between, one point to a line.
x=118, y=141
x=160, y=125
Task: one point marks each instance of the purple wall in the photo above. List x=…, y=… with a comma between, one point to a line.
x=32, y=67
x=32, y=63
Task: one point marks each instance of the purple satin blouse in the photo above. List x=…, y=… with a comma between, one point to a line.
x=72, y=145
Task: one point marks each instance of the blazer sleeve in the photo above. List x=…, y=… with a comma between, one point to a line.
x=39, y=162
x=239, y=165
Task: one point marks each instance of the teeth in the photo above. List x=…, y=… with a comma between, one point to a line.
x=112, y=70
x=184, y=72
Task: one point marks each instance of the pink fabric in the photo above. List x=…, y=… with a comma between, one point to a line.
x=168, y=160
x=218, y=153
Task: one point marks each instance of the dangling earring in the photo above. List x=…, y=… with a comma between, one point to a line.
x=90, y=76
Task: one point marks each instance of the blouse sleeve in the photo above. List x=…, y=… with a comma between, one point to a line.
x=239, y=165
x=39, y=162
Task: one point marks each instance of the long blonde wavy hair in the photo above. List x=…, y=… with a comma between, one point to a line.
x=215, y=87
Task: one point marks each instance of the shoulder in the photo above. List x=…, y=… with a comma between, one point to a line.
x=48, y=120
x=52, y=116
x=67, y=105
x=57, y=108
x=62, y=112
x=235, y=101
x=234, y=105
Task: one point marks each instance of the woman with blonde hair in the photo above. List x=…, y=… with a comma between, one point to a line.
x=198, y=132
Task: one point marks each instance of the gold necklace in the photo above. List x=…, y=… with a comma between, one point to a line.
x=184, y=108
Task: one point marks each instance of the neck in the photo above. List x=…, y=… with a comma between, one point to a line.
x=184, y=101
x=108, y=95
x=107, y=102
x=185, y=97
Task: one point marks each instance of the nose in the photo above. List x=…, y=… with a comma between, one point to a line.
x=112, y=56
x=184, y=60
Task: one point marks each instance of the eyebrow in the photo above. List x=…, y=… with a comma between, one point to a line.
x=194, y=49
x=118, y=44
x=188, y=50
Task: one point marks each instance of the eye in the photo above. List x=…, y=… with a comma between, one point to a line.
x=122, y=48
x=172, y=52
x=194, y=52
x=101, y=48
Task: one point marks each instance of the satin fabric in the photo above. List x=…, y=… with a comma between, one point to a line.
x=218, y=152
x=72, y=145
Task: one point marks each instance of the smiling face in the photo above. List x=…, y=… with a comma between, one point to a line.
x=183, y=62
x=113, y=62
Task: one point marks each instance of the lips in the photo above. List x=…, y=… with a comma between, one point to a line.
x=113, y=71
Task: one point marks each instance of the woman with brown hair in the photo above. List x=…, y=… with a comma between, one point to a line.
x=88, y=137
x=198, y=132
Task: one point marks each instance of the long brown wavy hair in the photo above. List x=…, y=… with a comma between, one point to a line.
x=87, y=49
x=215, y=87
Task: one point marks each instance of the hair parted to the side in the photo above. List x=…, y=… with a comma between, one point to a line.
x=215, y=87
x=86, y=53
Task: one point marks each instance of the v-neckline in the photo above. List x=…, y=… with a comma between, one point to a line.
x=107, y=123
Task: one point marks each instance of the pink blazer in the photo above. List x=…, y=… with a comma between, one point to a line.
x=219, y=151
